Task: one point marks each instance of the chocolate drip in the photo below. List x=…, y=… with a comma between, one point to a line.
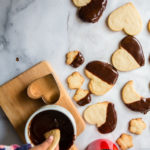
x=111, y=120
x=142, y=105
x=104, y=71
x=133, y=46
x=48, y=120
x=85, y=100
x=92, y=11
x=79, y=60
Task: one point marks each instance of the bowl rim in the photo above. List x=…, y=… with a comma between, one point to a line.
x=49, y=107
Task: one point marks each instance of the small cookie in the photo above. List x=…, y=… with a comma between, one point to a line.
x=56, y=135
x=133, y=100
x=82, y=97
x=125, y=141
x=103, y=115
x=81, y=3
x=148, y=26
x=92, y=11
x=137, y=126
x=75, y=80
x=74, y=58
x=102, y=77
x=125, y=18
x=129, y=56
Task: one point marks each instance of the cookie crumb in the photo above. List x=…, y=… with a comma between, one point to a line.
x=17, y=59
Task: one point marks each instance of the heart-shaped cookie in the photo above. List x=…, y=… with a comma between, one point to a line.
x=133, y=100
x=103, y=115
x=125, y=18
x=92, y=11
x=129, y=56
x=102, y=77
x=45, y=88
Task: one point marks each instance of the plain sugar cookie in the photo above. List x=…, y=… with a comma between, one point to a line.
x=125, y=18
x=133, y=100
x=102, y=77
x=137, y=126
x=82, y=97
x=75, y=80
x=103, y=115
x=129, y=56
x=125, y=141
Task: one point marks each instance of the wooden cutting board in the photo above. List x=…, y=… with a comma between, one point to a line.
x=18, y=106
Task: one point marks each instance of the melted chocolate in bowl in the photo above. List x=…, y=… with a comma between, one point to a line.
x=48, y=120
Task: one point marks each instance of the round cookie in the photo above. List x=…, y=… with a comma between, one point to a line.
x=102, y=77
x=92, y=11
x=129, y=56
x=103, y=115
x=125, y=18
x=133, y=100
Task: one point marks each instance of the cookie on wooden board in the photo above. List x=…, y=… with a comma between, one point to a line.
x=81, y=3
x=74, y=58
x=125, y=141
x=82, y=97
x=102, y=77
x=129, y=56
x=103, y=115
x=126, y=18
x=133, y=100
x=75, y=80
x=137, y=126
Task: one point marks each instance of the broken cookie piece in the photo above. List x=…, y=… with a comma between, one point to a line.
x=81, y=3
x=102, y=77
x=103, y=115
x=74, y=58
x=133, y=100
x=137, y=126
x=129, y=56
x=125, y=141
x=82, y=97
x=75, y=80
x=126, y=18
x=92, y=11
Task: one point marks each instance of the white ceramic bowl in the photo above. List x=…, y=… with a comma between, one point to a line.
x=49, y=107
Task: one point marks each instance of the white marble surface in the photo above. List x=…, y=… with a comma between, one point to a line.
x=36, y=30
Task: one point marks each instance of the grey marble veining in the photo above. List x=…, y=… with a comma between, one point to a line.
x=36, y=30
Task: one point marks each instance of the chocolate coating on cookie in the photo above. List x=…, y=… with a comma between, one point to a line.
x=92, y=11
x=79, y=60
x=133, y=46
x=111, y=120
x=85, y=100
x=104, y=71
x=142, y=105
